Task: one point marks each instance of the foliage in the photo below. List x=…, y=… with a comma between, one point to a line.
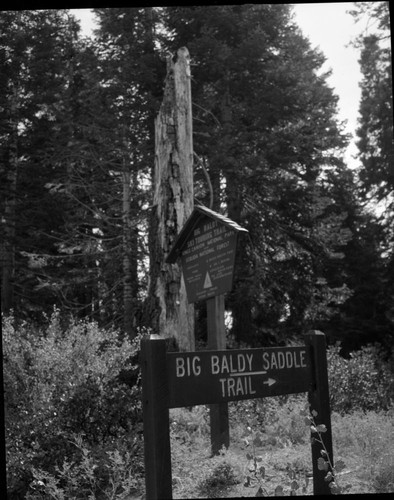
x=324, y=462
x=110, y=476
x=375, y=132
x=77, y=155
x=187, y=424
x=362, y=382
x=76, y=122
x=62, y=382
x=36, y=56
x=272, y=160
x=277, y=417
x=219, y=479
x=368, y=437
x=363, y=439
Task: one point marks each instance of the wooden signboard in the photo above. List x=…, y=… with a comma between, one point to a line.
x=207, y=377
x=175, y=379
x=206, y=246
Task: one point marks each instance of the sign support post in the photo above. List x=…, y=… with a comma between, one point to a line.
x=155, y=402
x=318, y=397
x=218, y=413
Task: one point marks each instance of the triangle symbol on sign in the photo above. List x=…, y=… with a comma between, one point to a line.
x=207, y=282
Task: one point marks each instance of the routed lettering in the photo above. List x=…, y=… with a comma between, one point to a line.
x=240, y=386
x=280, y=360
x=209, y=377
x=188, y=366
x=231, y=363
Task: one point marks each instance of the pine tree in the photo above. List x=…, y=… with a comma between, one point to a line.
x=36, y=47
x=265, y=126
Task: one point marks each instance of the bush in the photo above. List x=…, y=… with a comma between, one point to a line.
x=63, y=382
x=369, y=437
x=189, y=424
x=95, y=475
x=363, y=382
x=277, y=417
x=222, y=477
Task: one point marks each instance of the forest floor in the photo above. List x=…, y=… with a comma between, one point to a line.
x=194, y=475
x=361, y=441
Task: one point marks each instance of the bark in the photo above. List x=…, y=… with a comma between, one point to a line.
x=239, y=300
x=171, y=315
x=9, y=216
x=130, y=251
x=127, y=264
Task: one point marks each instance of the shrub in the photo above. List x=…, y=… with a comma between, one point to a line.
x=369, y=437
x=364, y=381
x=61, y=382
x=277, y=417
x=108, y=475
x=218, y=480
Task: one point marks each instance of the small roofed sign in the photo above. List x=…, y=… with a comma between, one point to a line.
x=207, y=246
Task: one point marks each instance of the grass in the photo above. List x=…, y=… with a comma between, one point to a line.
x=362, y=440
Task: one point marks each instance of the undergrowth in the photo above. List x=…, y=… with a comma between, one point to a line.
x=74, y=423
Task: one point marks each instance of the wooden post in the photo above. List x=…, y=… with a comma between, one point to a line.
x=158, y=480
x=319, y=401
x=220, y=435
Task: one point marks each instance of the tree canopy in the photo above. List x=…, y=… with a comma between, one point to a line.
x=77, y=152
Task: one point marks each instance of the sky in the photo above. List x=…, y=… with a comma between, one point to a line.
x=331, y=29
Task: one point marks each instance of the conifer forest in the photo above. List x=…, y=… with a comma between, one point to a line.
x=78, y=239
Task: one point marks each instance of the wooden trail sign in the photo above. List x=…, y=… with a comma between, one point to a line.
x=207, y=377
x=175, y=379
x=206, y=246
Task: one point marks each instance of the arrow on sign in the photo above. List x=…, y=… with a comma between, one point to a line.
x=207, y=282
x=270, y=382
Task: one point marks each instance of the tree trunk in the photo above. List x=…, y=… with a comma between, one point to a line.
x=130, y=250
x=239, y=300
x=127, y=264
x=171, y=315
x=9, y=216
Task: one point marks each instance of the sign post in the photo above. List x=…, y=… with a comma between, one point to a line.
x=177, y=379
x=319, y=401
x=155, y=404
x=206, y=246
x=218, y=413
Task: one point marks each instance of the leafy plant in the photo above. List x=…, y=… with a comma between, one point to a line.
x=364, y=381
x=368, y=436
x=255, y=471
x=189, y=424
x=221, y=477
x=59, y=382
x=109, y=477
x=324, y=462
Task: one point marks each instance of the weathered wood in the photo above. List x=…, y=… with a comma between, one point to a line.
x=218, y=413
x=319, y=401
x=216, y=329
x=173, y=203
x=210, y=377
x=158, y=478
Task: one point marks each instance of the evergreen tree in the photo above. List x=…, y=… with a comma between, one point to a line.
x=376, y=174
x=130, y=81
x=265, y=126
x=36, y=47
x=376, y=147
